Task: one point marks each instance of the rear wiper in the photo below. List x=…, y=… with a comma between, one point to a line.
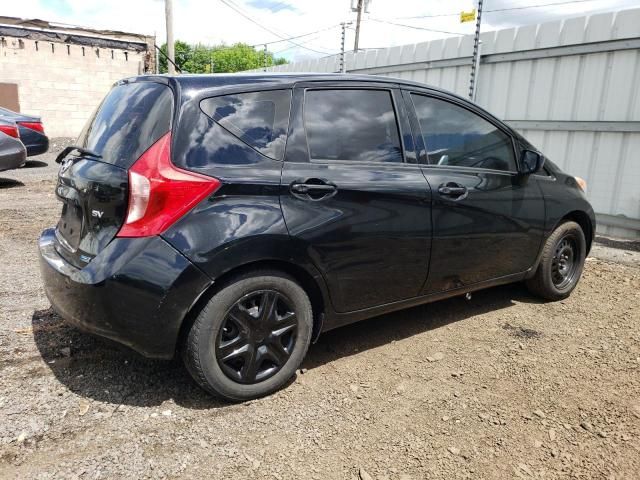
x=80, y=150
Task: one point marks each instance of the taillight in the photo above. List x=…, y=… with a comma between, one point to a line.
x=37, y=126
x=10, y=130
x=160, y=193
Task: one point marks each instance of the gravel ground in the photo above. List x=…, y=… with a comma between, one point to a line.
x=501, y=386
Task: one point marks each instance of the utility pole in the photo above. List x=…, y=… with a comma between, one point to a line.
x=343, y=66
x=168, y=11
x=155, y=54
x=265, y=58
x=475, y=65
x=359, y=10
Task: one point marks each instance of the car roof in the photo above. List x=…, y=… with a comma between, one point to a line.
x=195, y=85
x=208, y=81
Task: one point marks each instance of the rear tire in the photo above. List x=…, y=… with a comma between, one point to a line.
x=561, y=263
x=250, y=337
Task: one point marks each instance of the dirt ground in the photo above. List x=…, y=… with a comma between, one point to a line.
x=501, y=386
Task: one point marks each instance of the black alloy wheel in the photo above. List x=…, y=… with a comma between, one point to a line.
x=257, y=336
x=251, y=336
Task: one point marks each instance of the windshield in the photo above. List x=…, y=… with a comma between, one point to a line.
x=130, y=119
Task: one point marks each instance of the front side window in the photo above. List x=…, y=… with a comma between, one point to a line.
x=355, y=125
x=458, y=137
x=260, y=119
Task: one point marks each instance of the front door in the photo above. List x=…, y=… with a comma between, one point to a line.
x=487, y=219
x=351, y=198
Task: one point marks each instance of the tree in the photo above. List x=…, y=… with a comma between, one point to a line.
x=201, y=58
x=182, y=52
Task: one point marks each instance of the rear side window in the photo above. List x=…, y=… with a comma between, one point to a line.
x=355, y=125
x=259, y=119
x=458, y=137
x=130, y=119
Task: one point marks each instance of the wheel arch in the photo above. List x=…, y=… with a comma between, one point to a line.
x=582, y=219
x=311, y=285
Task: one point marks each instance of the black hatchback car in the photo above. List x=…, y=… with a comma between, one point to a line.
x=233, y=218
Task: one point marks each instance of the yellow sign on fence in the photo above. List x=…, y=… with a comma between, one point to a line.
x=468, y=16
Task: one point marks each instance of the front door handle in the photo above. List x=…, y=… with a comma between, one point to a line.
x=453, y=190
x=313, y=189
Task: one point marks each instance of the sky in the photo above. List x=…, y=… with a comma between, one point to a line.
x=222, y=21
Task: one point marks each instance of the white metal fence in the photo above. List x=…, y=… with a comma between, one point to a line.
x=571, y=87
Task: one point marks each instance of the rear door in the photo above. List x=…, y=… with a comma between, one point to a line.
x=93, y=187
x=487, y=219
x=354, y=198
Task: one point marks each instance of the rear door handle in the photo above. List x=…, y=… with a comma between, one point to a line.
x=313, y=189
x=453, y=190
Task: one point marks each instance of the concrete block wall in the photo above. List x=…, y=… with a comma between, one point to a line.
x=63, y=83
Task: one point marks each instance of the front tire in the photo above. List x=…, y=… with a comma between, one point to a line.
x=250, y=337
x=561, y=263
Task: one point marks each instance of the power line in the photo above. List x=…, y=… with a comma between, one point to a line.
x=523, y=7
x=168, y=59
x=295, y=46
x=282, y=38
x=236, y=9
x=414, y=27
x=261, y=44
x=429, y=16
x=537, y=6
x=297, y=36
x=283, y=50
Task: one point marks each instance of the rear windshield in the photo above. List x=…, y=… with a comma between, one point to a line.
x=130, y=119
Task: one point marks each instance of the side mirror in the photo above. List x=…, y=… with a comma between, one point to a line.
x=531, y=162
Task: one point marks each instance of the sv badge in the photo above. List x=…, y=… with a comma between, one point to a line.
x=97, y=213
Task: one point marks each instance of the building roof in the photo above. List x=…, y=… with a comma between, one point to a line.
x=36, y=29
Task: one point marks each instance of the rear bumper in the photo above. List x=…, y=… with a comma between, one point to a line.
x=38, y=148
x=137, y=291
x=13, y=162
x=36, y=142
x=13, y=158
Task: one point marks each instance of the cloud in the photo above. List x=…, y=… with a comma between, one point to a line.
x=211, y=21
x=271, y=5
